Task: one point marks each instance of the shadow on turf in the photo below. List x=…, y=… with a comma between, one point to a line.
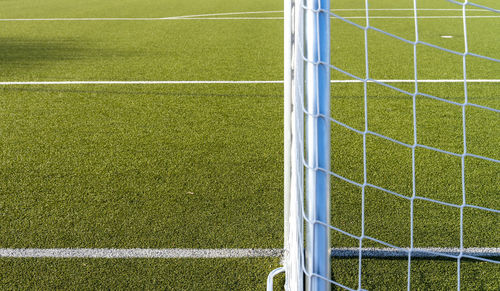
x=28, y=52
x=430, y=269
x=443, y=258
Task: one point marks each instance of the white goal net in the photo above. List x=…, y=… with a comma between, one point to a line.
x=392, y=167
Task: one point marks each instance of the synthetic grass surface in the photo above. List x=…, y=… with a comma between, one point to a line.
x=136, y=274
x=384, y=274
x=141, y=166
x=129, y=8
x=144, y=50
x=161, y=166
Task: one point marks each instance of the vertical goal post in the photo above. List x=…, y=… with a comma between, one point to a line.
x=317, y=142
x=306, y=99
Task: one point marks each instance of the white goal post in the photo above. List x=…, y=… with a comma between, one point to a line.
x=307, y=172
x=307, y=103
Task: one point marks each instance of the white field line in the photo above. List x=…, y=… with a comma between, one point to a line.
x=231, y=18
x=421, y=17
x=416, y=252
x=135, y=82
x=352, y=9
x=229, y=82
x=233, y=253
x=408, y=9
x=348, y=17
x=136, y=18
x=211, y=16
x=422, y=81
x=228, y=13
x=85, y=19
x=139, y=253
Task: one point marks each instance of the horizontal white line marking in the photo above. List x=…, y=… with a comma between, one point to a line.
x=341, y=9
x=137, y=82
x=423, y=81
x=408, y=9
x=212, y=16
x=197, y=16
x=346, y=17
x=139, y=253
x=230, y=82
x=232, y=253
x=421, y=17
x=416, y=252
x=81, y=19
x=233, y=18
x=232, y=13
x=204, y=16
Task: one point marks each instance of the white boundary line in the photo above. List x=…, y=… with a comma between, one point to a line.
x=85, y=19
x=212, y=16
x=136, y=82
x=420, y=17
x=233, y=18
x=110, y=253
x=228, y=13
x=416, y=252
x=197, y=16
x=347, y=17
x=408, y=9
x=349, y=9
x=139, y=253
x=9, y=83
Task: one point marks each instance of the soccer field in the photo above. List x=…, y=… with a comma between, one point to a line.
x=157, y=125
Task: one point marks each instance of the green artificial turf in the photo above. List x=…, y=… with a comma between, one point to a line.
x=129, y=8
x=141, y=50
x=136, y=274
x=392, y=274
x=141, y=166
x=200, y=165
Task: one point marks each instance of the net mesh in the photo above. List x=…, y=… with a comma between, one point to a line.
x=421, y=165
